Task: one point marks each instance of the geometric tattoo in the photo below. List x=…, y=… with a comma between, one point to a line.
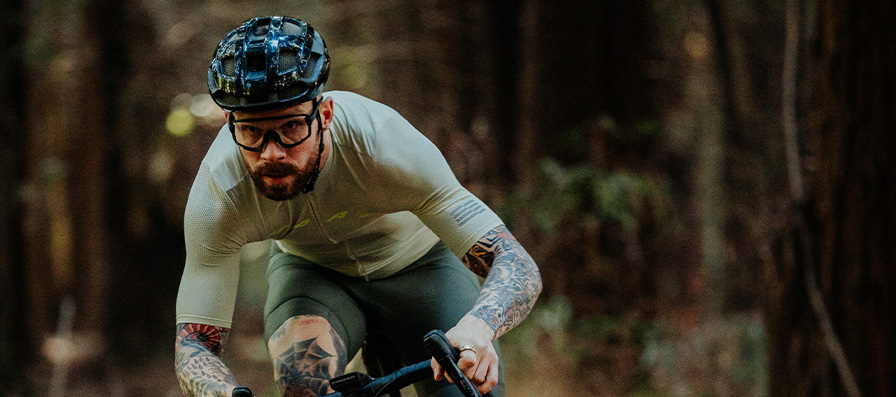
x=203, y=334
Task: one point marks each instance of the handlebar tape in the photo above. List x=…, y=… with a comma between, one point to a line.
x=401, y=378
x=446, y=355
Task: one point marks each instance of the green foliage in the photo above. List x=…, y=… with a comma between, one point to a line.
x=648, y=128
x=642, y=356
x=571, y=140
x=613, y=329
x=724, y=356
x=551, y=317
x=584, y=194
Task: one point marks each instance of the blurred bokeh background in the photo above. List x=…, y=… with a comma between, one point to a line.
x=707, y=186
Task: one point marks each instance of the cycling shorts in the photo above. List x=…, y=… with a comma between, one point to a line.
x=434, y=292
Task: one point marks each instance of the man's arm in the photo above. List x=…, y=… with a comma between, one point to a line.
x=199, y=368
x=512, y=281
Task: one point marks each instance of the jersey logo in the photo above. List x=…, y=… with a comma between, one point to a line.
x=467, y=211
x=285, y=229
x=338, y=215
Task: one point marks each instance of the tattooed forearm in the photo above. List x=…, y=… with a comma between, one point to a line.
x=199, y=369
x=512, y=280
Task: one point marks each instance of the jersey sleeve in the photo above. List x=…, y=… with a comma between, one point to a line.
x=208, y=287
x=426, y=185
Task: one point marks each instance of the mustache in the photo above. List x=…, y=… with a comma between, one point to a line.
x=278, y=169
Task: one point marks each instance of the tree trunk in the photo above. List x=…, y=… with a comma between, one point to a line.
x=88, y=183
x=850, y=215
x=855, y=206
x=16, y=347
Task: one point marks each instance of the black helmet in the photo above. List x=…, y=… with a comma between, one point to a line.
x=268, y=62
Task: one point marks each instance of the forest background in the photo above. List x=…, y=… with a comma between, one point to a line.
x=707, y=186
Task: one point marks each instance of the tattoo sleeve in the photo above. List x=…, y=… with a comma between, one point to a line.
x=199, y=368
x=512, y=281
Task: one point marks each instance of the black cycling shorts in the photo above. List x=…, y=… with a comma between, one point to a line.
x=434, y=292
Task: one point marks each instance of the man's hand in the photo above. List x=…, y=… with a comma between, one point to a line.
x=478, y=358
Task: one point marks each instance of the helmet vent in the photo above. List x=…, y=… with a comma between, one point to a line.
x=261, y=30
x=293, y=91
x=229, y=66
x=287, y=60
x=255, y=62
x=312, y=60
x=292, y=29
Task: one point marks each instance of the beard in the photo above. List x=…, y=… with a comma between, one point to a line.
x=283, y=191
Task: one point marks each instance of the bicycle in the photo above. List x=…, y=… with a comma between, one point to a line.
x=357, y=384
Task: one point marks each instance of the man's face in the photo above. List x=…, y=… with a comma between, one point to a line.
x=280, y=173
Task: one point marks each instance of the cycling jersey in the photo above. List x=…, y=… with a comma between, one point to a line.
x=383, y=198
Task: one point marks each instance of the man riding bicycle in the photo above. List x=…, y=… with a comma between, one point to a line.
x=370, y=228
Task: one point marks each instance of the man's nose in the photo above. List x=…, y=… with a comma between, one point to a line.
x=271, y=148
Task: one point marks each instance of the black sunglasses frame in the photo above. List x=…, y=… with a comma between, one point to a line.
x=271, y=134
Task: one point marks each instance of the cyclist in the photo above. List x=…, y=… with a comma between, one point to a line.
x=370, y=228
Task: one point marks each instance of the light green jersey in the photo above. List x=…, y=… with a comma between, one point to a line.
x=384, y=197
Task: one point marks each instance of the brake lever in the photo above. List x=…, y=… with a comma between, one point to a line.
x=446, y=355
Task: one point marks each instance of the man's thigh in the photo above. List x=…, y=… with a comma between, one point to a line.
x=432, y=293
x=313, y=326
x=317, y=318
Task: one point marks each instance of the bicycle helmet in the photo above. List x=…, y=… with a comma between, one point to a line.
x=268, y=62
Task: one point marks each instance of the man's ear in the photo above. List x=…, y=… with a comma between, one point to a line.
x=326, y=112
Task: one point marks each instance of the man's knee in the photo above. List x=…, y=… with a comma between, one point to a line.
x=306, y=352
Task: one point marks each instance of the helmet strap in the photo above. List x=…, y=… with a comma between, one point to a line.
x=312, y=179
